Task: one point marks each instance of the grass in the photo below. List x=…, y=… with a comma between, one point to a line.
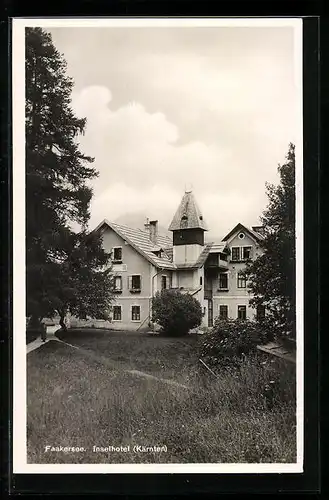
x=160, y=356
x=76, y=400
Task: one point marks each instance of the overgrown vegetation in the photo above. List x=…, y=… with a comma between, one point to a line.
x=229, y=341
x=244, y=415
x=175, y=312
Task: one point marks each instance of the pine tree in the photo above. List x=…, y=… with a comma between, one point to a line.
x=57, y=176
x=272, y=275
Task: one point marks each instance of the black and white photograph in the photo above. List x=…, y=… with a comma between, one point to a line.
x=158, y=245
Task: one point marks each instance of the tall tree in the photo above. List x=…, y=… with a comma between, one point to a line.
x=57, y=176
x=81, y=280
x=272, y=275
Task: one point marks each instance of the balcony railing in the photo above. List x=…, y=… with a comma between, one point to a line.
x=217, y=263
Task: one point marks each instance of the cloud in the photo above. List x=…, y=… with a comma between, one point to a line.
x=144, y=169
x=139, y=148
x=166, y=108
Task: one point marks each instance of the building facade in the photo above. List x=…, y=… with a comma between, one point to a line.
x=145, y=262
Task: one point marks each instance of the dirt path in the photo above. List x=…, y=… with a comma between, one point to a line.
x=36, y=344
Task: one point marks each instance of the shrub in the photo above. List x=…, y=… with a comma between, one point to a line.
x=176, y=313
x=229, y=340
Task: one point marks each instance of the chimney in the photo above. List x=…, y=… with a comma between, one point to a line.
x=147, y=225
x=153, y=226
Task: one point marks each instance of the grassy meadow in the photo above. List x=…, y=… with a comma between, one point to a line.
x=87, y=398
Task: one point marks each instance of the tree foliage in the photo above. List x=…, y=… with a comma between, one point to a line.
x=272, y=275
x=177, y=313
x=57, y=191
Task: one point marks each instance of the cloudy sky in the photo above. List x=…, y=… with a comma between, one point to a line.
x=167, y=108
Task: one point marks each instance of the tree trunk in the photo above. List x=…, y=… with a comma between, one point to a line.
x=61, y=321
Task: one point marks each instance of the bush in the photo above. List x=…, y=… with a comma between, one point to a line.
x=229, y=340
x=175, y=312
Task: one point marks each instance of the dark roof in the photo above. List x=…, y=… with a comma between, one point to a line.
x=188, y=215
x=240, y=227
x=140, y=240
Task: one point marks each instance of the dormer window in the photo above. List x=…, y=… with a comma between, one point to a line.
x=184, y=221
x=117, y=254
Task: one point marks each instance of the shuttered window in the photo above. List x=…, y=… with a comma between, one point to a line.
x=135, y=283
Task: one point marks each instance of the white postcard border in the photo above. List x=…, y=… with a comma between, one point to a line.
x=20, y=464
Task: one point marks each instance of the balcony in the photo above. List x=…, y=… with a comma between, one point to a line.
x=215, y=262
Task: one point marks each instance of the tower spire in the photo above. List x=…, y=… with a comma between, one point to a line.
x=188, y=214
x=188, y=187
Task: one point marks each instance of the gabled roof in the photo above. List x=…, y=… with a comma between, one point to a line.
x=240, y=227
x=188, y=215
x=140, y=241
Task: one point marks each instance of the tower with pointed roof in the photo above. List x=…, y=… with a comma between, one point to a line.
x=188, y=228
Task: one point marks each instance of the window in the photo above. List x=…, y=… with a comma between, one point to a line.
x=116, y=313
x=117, y=254
x=223, y=312
x=163, y=282
x=241, y=280
x=200, y=280
x=246, y=253
x=135, y=313
x=223, y=256
x=118, y=284
x=223, y=281
x=134, y=283
x=260, y=312
x=241, y=236
x=242, y=312
x=235, y=253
